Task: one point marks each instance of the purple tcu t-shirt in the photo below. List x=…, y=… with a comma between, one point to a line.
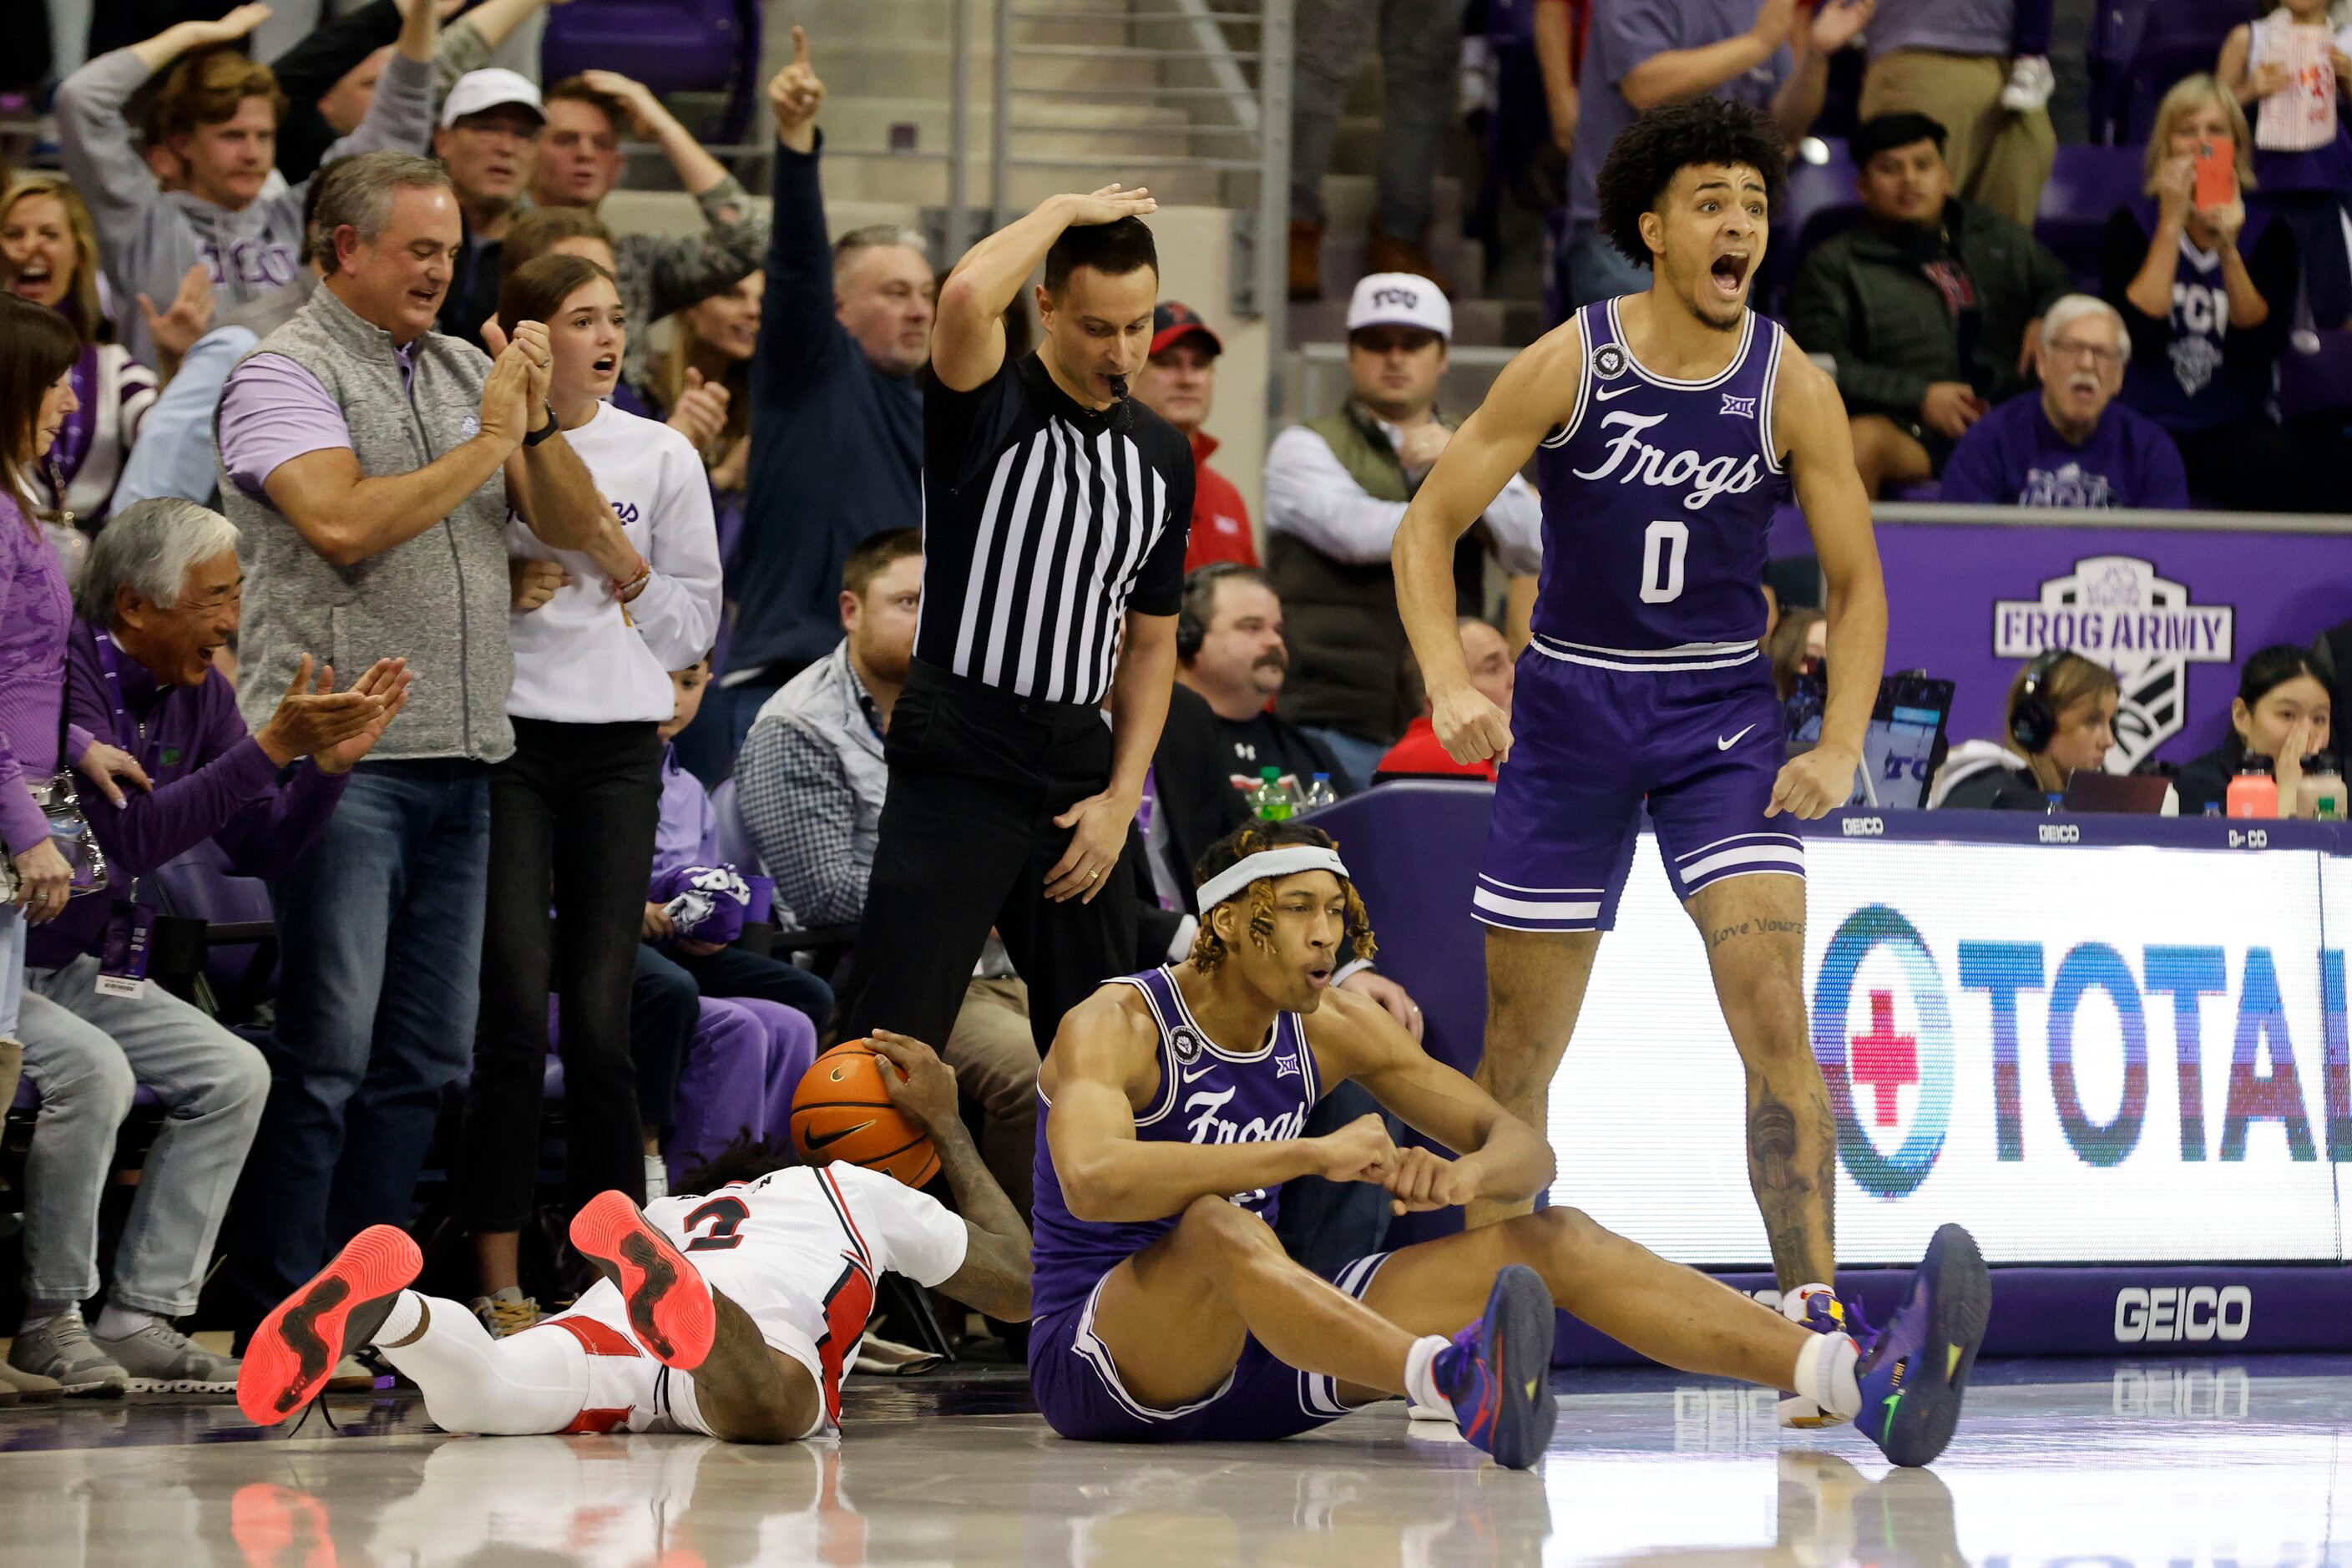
x=1625, y=33
x=272, y=412
x=2015, y=456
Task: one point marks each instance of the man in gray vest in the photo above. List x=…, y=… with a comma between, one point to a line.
x=369, y=463
x=1335, y=488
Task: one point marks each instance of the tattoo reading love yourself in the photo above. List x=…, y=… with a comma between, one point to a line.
x=1722, y=934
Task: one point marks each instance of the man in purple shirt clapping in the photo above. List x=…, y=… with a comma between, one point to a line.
x=2070, y=444
x=159, y=597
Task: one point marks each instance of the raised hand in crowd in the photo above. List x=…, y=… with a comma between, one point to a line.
x=101, y=764
x=1837, y=23
x=795, y=94
x=508, y=413
x=314, y=719
x=386, y=683
x=534, y=581
x=190, y=317
x=701, y=413
x=177, y=39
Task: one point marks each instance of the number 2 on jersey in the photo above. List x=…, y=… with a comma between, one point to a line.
x=1665, y=544
x=723, y=1216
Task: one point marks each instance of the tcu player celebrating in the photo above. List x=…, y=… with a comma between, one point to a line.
x=730, y=1313
x=1667, y=426
x=1168, y=1311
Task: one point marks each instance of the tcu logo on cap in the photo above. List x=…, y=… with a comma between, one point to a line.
x=1404, y=296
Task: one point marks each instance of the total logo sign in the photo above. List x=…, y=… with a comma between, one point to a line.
x=1883, y=1032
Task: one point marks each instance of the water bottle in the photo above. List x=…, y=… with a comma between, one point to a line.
x=2253, y=792
x=2051, y=801
x=1270, y=802
x=1319, y=794
x=2322, y=795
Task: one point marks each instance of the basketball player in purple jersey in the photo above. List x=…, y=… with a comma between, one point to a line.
x=1166, y=1309
x=1666, y=426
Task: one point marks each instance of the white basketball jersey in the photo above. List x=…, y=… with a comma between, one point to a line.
x=800, y=1250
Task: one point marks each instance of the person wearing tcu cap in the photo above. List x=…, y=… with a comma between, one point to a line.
x=488, y=141
x=1178, y=383
x=1335, y=488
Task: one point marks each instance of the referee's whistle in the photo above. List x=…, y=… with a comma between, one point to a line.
x=1122, y=417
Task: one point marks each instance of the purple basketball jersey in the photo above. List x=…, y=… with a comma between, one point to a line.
x=1206, y=1096
x=1657, y=504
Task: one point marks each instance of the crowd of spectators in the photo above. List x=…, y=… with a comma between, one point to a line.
x=354, y=523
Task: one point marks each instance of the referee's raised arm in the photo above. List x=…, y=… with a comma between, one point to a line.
x=1053, y=532
x=968, y=339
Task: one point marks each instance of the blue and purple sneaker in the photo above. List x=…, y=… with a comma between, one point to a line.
x=1914, y=1370
x=1497, y=1372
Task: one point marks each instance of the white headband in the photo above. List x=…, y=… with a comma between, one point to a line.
x=1286, y=861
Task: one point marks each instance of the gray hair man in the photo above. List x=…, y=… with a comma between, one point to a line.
x=370, y=463
x=2070, y=444
x=157, y=600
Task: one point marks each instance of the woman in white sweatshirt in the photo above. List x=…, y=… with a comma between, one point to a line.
x=572, y=812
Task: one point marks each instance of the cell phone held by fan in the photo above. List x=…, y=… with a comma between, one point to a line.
x=2216, y=173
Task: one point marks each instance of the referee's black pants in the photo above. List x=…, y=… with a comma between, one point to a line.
x=977, y=776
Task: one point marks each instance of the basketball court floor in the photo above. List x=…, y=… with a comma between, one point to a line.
x=2165, y=1465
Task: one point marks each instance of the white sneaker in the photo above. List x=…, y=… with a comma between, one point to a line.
x=162, y=1360
x=2031, y=83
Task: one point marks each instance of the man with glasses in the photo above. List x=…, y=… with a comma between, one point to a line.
x=2070, y=444
x=488, y=141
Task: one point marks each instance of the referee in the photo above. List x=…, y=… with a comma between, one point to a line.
x=1055, y=519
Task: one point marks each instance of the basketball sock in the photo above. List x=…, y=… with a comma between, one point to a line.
x=1421, y=1373
x=1826, y=1374
x=523, y=1383
x=121, y=1323
x=407, y=1316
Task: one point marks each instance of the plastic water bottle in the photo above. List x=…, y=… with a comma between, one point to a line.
x=1270, y=802
x=1319, y=794
x=2052, y=802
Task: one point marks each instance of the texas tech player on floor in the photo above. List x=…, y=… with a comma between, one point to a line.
x=1666, y=426
x=729, y=1312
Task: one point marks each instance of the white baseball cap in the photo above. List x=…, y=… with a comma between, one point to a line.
x=1400, y=299
x=477, y=90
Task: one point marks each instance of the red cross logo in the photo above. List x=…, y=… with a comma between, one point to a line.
x=1884, y=1059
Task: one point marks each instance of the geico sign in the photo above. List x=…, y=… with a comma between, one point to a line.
x=2182, y=1313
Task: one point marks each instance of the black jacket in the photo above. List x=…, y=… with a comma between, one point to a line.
x=1866, y=299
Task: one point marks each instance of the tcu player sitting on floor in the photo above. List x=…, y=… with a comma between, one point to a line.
x=1167, y=1309
x=746, y=1342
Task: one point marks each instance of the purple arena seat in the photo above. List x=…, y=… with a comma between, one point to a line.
x=241, y=935
x=2171, y=39
x=671, y=46
x=2087, y=186
x=1814, y=190
x=735, y=845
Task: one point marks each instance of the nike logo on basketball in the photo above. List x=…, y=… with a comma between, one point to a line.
x=814, y=1143
x=1723, y=745
x=1603, y=397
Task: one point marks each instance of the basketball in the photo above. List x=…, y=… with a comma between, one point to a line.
x=840, y=1111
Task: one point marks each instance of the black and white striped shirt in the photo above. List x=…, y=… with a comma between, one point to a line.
x=1042, y=528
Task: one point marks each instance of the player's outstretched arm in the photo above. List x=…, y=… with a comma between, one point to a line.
x=1536, y=392
x=995, y=1273
x=1807, y=408
x=1102, y=1057
x=1500, y=1156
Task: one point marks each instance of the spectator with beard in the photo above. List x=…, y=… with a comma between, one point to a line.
x=845, y=332
x=580, y=163
x=217, y=121
x=2070, y=444
x=1229, y=650
x=1177, y=382
x=1493, y=673
x=488, y=141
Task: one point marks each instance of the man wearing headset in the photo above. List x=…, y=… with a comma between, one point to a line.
x=2059, y=717
x=1230, y=649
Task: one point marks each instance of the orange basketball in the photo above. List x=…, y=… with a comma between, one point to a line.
x=840, y=1111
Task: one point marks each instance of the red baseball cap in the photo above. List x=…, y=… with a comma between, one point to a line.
x=1170, y=321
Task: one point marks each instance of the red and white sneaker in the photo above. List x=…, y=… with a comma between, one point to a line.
x=295, y=1351
x=668, y=1301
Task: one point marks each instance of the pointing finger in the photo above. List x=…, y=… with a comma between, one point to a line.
x=800, y=46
